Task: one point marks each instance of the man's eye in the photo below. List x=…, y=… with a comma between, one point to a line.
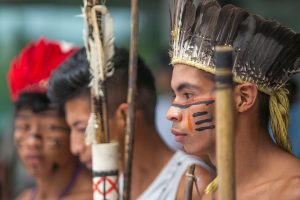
x=82, y=130
x=22, y=127
x=187, y=95
x=55, y=128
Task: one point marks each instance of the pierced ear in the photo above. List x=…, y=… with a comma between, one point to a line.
x=245, y=96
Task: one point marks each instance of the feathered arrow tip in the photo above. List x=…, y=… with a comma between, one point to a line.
x=99, y=41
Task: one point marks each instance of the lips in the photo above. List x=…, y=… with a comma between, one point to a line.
x=179, y=137
x=33, y=159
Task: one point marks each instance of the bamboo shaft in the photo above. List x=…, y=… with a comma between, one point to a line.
x=130, y=121
x=225, y=124
x=189, y=185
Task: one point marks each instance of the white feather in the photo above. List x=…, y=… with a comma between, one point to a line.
x=100, y=51
x=90, y=131
x=108, y=43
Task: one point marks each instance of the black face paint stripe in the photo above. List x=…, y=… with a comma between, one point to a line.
x=192, y=104
x=204, y=128
x=197, y=114
x=203, y=121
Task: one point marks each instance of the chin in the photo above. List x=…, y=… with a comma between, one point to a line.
x=194, y=150
x=35, y=171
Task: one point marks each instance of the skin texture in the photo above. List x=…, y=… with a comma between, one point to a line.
x=192, y=92
x=77, y=115
x=42, y=142
x=263, y=170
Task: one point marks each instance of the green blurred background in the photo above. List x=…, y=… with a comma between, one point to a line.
x=24, y=20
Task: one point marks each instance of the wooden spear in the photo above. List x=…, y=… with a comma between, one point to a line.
x=131, y=99
x=225, y=123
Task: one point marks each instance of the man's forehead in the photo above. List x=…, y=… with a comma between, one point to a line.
x=185, y=76
x=27, y=113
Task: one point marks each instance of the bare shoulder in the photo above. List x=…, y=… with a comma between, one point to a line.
x=287, y=183
x=25, y=194
x=289, y=188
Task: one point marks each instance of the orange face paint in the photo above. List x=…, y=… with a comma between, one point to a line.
x=189, y=122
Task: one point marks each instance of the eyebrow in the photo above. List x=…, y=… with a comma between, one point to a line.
x=76, y=123
x=186, y=86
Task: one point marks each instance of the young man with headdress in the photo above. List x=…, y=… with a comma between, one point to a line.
x=69, y=88
x=41, y=134
x=266, y=55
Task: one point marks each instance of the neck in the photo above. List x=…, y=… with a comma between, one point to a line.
x=148, y=144
x=145, y=139
x=52, y=185
x=254, y=150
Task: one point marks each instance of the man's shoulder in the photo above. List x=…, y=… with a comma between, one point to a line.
x=288, y=188
x=288, y=182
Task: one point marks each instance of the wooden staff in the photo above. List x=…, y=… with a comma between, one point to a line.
x=189, y=185
x=225, y=123
x=131, y=99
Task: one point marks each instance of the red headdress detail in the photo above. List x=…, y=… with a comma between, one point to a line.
x=31, y=70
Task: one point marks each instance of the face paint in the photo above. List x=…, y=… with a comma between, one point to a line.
x=55, y=143
x=55, y=167
x=198, y=113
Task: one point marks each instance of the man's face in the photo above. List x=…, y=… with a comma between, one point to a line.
x=192, y=111
x=42, y=142
x=77, y=115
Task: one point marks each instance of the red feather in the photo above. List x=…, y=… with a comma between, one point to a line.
x=31, y=70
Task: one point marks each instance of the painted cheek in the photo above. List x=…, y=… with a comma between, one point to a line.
x=197, y=114
x=189, y=121
x=200, y=118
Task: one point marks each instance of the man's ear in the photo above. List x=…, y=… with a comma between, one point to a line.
x=245, y=96
x=121, y=114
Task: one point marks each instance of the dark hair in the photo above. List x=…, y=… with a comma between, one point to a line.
x=35, y=101
x=264, y=111
x=72, y=78
x=118, y=83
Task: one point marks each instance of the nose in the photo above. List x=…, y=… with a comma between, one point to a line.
x=34, y=139
x=77, y=144
x=174, y=114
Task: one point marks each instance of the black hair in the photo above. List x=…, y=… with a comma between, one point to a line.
x=264, y=110
x=118, y=83
x=72, y=79
x=37, y=102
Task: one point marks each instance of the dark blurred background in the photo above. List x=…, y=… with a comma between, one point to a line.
x=25, y=20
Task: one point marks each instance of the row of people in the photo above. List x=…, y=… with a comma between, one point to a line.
x=51, y=118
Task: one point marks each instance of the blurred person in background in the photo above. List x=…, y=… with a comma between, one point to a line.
x=157, y=173
x=41, y=134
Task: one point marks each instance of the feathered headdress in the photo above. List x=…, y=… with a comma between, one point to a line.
x=266, y=53
x=31, y=70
